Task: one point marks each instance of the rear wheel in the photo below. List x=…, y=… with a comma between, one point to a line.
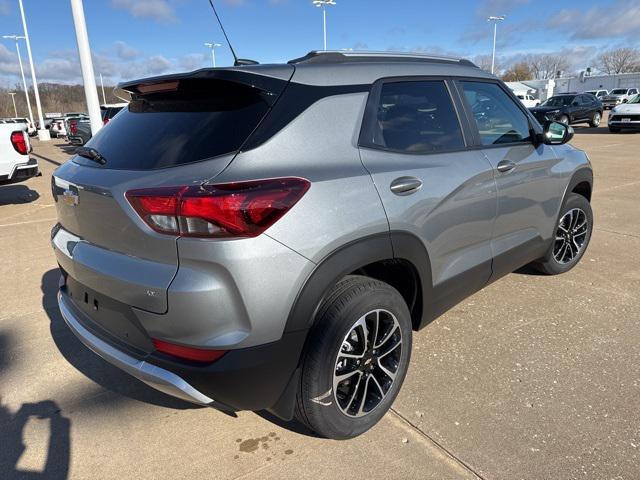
x=595, y=120
x=572, y=236
x=356, y=359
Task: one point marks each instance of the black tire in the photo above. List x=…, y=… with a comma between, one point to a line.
x=614, y=130
x=317, y=402
x=595, y=120
x=564, y=119
x=554, y=262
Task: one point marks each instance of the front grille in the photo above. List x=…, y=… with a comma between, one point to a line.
x=618, y=117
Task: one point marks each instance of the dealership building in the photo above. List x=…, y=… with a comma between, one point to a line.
x=544, y=89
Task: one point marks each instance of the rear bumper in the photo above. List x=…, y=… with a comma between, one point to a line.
x=257, y=378
x=21, y=172
x=152, y=375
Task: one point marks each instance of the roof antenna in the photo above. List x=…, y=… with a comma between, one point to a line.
x=237, y=61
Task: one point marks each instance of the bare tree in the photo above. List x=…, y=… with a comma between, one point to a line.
x=619, y=60
x=484, y=63
x=545, y=66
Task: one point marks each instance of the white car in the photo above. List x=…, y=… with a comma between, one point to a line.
x=599, y=94
x=618, y=96
x=528, y=100
x=31, y=130
x=15, y=164
x=625, y=116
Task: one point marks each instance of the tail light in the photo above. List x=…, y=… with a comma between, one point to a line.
x=105, y=121
x=242, y=209
x=73, y=126
x=187, y=353
x=19, y=142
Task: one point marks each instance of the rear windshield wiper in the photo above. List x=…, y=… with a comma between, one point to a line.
x=91, y=154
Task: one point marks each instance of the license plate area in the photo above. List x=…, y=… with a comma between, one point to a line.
x=111, y=318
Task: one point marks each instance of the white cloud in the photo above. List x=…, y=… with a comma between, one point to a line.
x=159, y=10
x=126, y=52
x=618, y=19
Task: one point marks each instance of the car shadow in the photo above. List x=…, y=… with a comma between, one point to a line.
x=585, y=130
x=91, y=365
x=17, y=195
x=67, y=148
x=12, y=439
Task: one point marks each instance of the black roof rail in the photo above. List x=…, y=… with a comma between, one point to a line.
x=341, y=56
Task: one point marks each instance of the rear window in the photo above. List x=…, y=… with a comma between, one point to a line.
x=200, y=120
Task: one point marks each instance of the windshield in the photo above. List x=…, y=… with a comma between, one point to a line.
x=561, y=101
x=619, y=91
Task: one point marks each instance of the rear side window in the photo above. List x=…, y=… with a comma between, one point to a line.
x=416, y=117
x=497, y=116
x=201, y=119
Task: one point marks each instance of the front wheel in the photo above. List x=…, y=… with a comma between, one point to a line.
x=572, y=236
x=564, y=119
x=595, y=120
x=356, y=358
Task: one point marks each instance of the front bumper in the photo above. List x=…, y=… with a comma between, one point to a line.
x=154, y=376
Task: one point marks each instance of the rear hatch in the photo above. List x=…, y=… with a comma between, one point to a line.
x=177, y=130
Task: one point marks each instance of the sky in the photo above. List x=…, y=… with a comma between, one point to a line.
x=137, y=38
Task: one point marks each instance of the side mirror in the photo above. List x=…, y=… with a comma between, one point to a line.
x=556, y=133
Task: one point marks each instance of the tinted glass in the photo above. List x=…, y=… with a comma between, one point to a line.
x=200, y=120
x=619, y=91
x=560, y=101
x=417, y=117
x=498, y=118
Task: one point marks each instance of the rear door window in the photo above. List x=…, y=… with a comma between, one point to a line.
x=201, y=119
x=416, y=117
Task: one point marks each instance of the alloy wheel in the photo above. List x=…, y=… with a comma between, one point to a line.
x=367, y=363
x=596, y=119
x=570, y=236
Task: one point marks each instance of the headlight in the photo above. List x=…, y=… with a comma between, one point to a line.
x=614, y=109
x=553, y=112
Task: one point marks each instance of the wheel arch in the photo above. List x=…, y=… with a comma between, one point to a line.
x=385, y=257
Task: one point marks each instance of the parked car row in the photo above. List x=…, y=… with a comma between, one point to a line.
x=626, y=116
x=76, y=126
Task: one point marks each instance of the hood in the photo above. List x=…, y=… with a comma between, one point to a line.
x=633, y=108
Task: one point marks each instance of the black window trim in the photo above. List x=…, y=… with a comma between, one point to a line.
x=365, y=140
x=534, y=125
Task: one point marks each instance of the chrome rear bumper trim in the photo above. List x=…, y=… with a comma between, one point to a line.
x=152, y=375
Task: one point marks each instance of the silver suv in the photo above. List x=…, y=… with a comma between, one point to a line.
x=269, y=236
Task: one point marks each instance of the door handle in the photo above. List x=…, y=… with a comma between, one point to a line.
x=406, y=185
x=506, y=166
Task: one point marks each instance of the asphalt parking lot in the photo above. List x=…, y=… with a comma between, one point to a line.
x=532, y=378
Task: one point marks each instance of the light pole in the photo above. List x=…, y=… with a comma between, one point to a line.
x=86, y=65
x=323, y=4
x=495, y=21
x=13, y=97
x=213, y=47
x=24, y=80
x=104, y=98
x=43, y=133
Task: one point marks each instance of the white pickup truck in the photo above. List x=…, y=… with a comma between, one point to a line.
x=15, y=164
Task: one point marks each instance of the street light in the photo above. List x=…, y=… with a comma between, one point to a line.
x=213, y=47
x=24, y=80
x=43, y=133
x=323, y=4
x=86, y=65
x=13, y=97
x=495, y=21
